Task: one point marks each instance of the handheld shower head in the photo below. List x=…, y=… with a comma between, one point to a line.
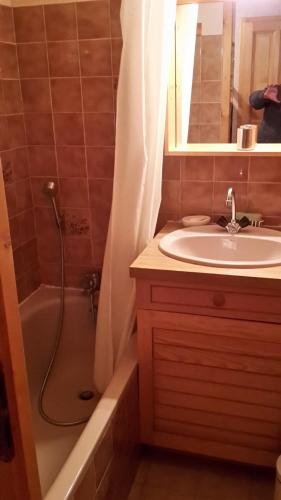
x=50, y=189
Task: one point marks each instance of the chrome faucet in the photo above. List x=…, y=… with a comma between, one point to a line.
x=91, y=286
x=233, y=226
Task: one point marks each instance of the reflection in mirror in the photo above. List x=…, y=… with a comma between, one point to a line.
x=258, y=89
x=206, y=109
x=226, y=71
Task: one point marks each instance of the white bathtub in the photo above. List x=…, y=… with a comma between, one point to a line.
x=63, y=454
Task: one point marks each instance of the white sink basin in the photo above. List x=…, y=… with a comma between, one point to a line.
x=213, y=246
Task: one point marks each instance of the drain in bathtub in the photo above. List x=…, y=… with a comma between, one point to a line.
x=86, y=395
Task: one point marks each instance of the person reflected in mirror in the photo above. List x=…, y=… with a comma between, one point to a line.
x=268, y=99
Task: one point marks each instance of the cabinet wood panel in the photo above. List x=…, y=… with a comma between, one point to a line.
x=217, y=420
x=240, y=329
x=224, y=451
x=216, y=375
x=211, y=385
x=218, y=359
x=224, y=407
x=218, y=435
x=217, y=390
x=219, y=341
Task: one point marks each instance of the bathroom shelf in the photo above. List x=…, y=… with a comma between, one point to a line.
x=223, y=150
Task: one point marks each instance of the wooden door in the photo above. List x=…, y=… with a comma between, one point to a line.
x=18, y=467
x=260, y=62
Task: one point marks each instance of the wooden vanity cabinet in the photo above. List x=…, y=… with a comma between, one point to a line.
x=210, y=367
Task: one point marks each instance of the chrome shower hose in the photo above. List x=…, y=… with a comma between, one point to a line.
x=59, y=330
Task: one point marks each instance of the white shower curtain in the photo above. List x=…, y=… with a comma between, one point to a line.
x=147, y=27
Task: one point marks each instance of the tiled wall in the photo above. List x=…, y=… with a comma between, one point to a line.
x=13, y=152
x=198, y=185
x=205, y=112
x=68, y=58
x=68, y=62
x=112, y=469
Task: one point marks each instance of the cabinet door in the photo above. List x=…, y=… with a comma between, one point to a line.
x=18, y=466
x=210, y=385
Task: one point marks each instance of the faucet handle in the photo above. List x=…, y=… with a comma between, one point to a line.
x=91, y=282
x=222, y=221
x=244, y=222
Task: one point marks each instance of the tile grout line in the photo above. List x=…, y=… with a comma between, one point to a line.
x=41, y=261
x=33, y=3
x=213, y=187
x=114, y=100
x=25, y=147
x=89, y=77
x=50, y=94
x=67, y=39
x=63, y=113
x=248, y=183
x=84, y=136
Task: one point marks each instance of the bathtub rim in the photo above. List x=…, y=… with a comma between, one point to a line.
x=30, y=305
x=47, y=288
x=75, y=466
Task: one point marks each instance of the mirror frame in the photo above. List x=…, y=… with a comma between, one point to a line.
x=205, y=149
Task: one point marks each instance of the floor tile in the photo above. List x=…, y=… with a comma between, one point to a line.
x=262, y=487
x=174, y=473
x=135, y=493
x=164, y=475
x=220, y=482
x=142, y=471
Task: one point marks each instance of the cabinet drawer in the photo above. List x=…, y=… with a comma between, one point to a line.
x=261, y=304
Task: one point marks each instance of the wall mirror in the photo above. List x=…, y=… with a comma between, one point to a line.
x=223, y=51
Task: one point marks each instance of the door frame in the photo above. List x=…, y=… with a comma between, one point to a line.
x=19, y=476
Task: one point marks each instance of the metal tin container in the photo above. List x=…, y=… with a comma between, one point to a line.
x=247, y=136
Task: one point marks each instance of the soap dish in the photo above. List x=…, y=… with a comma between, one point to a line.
x=195, y=220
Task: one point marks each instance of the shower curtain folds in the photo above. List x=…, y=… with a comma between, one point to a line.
x=147, y=28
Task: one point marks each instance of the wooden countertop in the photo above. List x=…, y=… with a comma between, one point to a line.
x=154, y=265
